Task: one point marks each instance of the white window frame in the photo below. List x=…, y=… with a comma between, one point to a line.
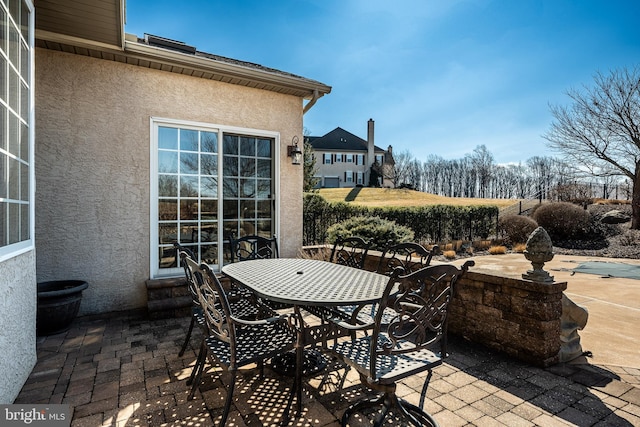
x=359, y=178
x=338, y=158
x=26, y=245
x=348, y=177
x=156, y=122
x=349, y=158
x=326, y=158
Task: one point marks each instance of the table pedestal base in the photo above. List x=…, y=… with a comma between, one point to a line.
x=312, y=362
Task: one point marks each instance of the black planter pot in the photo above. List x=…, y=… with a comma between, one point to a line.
x=58, y=305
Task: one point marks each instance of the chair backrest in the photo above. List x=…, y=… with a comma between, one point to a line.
x=408, y=256
x=350, y=251
x=178, y=247
x=214, y=303
x=253, y=247
x=420, y=301
x=181, y=254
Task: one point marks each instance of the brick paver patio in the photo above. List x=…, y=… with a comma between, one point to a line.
x=123, y=370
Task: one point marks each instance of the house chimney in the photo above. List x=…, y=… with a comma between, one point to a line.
x=370, y=143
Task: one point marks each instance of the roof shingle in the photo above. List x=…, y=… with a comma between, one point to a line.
x=340, y=140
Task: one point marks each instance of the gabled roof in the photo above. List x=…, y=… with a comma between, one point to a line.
x=96, y=28
x=340, y=140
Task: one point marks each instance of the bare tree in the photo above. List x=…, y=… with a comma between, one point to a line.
x=601, y=129
x=541, y=170
x=482, y=161
x=414, y=177
x=398, y=172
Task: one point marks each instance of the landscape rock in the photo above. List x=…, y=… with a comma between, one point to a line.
x=615, y=217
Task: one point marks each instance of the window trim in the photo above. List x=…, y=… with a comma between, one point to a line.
x=154, y=123
x=15, y=249
x=348, y=176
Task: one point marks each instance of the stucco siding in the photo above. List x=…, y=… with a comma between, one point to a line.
x=18, y=332
x=93, y=157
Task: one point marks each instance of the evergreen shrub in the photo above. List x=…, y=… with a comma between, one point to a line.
x=380, y=232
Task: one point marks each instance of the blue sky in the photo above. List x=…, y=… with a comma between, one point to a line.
x=437, y=76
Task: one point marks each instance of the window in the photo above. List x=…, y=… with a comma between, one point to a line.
x=327, y=158
x=16, y=133
x=359, y=159
x=349, y=158
x=211, y=183
x=348, y=176
x=359, y=177
x=338, y=158
x=379, y=158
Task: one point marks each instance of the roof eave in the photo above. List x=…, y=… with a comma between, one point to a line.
x=302, y=87
x=143, y=55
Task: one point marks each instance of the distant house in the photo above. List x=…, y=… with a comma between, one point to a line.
x=135, y=143
x=345, y=160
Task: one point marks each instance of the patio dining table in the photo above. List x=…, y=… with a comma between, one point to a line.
x=307, y=282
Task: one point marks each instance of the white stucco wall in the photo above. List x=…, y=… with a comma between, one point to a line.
x=18, y=316
x=92, y=165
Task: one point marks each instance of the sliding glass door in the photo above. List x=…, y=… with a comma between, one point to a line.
x=209, y=184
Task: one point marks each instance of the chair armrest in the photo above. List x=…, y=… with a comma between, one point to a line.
x=267, y=321
x=355, y=327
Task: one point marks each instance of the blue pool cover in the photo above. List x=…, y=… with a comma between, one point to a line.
x=609, y=269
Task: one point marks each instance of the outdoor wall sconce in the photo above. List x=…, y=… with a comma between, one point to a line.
x=294, y=152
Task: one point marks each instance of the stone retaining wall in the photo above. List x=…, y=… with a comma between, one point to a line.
x=515, y=316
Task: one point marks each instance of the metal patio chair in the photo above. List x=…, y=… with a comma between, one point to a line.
x=244, y=303
x=409, y=256
x=350, y=251
x=256, y=247
x=253, y=247
x=197, y=316
x=406, y=345
x=406, y=256
x=230, y=341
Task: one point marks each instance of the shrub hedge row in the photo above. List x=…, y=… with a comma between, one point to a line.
x=379, y=232
x=433, y=223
